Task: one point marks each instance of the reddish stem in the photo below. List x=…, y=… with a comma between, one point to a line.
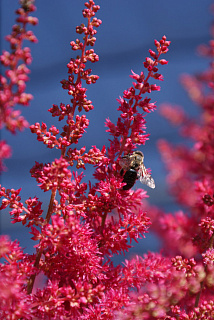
x=39, y=252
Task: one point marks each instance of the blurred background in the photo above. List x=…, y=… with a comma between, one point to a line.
x=126, y=34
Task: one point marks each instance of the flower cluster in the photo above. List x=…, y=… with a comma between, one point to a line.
x=5, y=152
x=87, y=223
x=15, y=303
x=187, y=235
x=130, y=128
x=13, y=83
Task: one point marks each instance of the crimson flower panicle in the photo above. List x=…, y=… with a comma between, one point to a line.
x=13, y=275
x=86, y=224
x=13, y=82
x=5, y=152
x=130, y=128
x=190, y=233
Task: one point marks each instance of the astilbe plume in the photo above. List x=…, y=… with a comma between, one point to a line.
x=186, y=289
x=13, y=83
x=86, y=224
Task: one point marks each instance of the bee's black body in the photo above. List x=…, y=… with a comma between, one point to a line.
x=129, y=177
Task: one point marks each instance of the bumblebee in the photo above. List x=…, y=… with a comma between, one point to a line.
x=133, y=168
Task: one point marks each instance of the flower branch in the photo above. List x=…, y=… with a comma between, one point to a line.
x=13, y=83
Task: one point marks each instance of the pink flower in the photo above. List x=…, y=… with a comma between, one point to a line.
x=13, y=83
x=86, y=222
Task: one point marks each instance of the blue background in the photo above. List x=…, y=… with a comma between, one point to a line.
x=123, y=40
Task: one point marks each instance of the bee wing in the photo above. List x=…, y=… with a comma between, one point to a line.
x=125, y=162
x=146, y=178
